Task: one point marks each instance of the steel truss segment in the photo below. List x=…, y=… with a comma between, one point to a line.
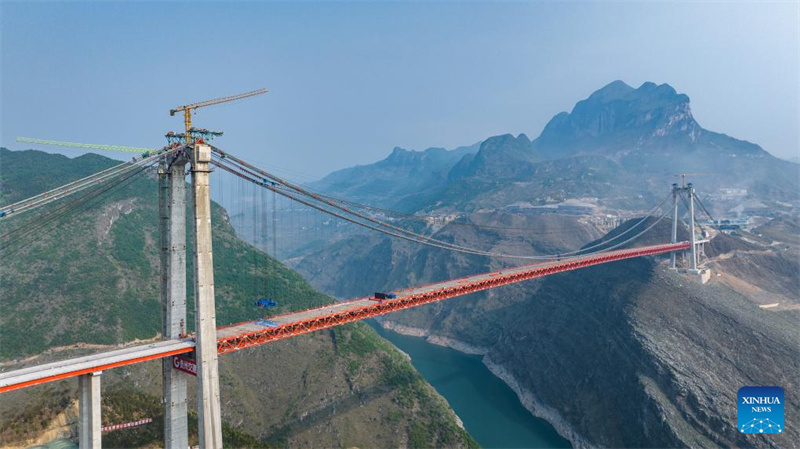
x=462, y=286
x=347, y=312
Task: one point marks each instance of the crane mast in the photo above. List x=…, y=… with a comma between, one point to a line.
x=684, y=175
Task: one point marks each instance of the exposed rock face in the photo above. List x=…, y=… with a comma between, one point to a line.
x=536, y=407
x=401, y=180
x=620, y=355
x=491, y=161
x=616, y=114
x=625, y=354
x=621, y=144
x=634, y=356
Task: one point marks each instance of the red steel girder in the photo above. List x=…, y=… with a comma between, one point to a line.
x=465, y=286
x=425, y=295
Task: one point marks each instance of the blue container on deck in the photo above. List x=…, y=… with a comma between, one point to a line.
x=266, y=302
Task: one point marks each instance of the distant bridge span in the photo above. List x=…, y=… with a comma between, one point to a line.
x=253, y=333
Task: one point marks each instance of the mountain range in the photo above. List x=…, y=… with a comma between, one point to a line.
x=623, y=145
x=629, y=354
x=625, y=354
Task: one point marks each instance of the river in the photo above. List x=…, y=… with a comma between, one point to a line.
x=489, y=409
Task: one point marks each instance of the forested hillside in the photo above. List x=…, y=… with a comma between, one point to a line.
x=91, y=280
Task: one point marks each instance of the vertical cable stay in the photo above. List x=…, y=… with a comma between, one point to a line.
x=274, y=227
x=254, y=210
x=264, y=240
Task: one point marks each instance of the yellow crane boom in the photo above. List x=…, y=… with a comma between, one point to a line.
x=187, y=109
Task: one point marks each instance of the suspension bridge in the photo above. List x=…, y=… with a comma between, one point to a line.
x=197, y=353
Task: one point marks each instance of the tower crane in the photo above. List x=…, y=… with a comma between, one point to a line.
x=684, y=175
x=187, y=109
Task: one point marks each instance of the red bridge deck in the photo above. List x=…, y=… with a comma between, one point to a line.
x=252, y=333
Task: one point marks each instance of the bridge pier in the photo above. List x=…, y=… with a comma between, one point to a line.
x=172, y=205
x=208, y=401
x=89, y=423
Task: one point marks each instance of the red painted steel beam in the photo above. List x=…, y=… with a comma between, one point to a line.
x=464, y=287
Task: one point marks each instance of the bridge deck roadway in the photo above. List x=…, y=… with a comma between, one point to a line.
x=63, y=369
x=252, y=333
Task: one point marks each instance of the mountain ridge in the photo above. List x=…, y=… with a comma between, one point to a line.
x=621, y=142
x=589, y=343
x=403, y=174
x=584, y=342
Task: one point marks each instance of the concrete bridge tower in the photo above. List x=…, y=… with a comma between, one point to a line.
x=172, y=206
x=208, y=402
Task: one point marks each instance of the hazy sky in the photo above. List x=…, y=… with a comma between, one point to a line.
x=349, y=81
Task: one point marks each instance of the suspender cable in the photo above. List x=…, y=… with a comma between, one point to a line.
x=250, y=172
x=413, y=237
x=264, y=177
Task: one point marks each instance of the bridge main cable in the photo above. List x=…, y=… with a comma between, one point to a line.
x=58, y=193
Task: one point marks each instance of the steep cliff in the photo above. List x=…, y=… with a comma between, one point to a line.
x=621, y=355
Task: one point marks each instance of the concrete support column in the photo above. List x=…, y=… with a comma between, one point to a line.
x=163, y=234
x=89, y=424
x=674, y=238
x=173, y=250
x=208, y=401
x=692, y=237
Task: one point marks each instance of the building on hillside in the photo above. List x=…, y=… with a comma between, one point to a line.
x=576, y=207
x=750, y=207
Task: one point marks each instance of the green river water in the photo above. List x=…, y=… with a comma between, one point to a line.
x=489, y=409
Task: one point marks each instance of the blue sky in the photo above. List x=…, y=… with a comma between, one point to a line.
x=349, y=81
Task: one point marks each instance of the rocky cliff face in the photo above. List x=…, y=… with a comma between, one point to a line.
x=619, y=115
x=399, y=181
x=621, y=355
x=620, y=144
x=626, y=354
x=491, y=160
x=634, y=356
